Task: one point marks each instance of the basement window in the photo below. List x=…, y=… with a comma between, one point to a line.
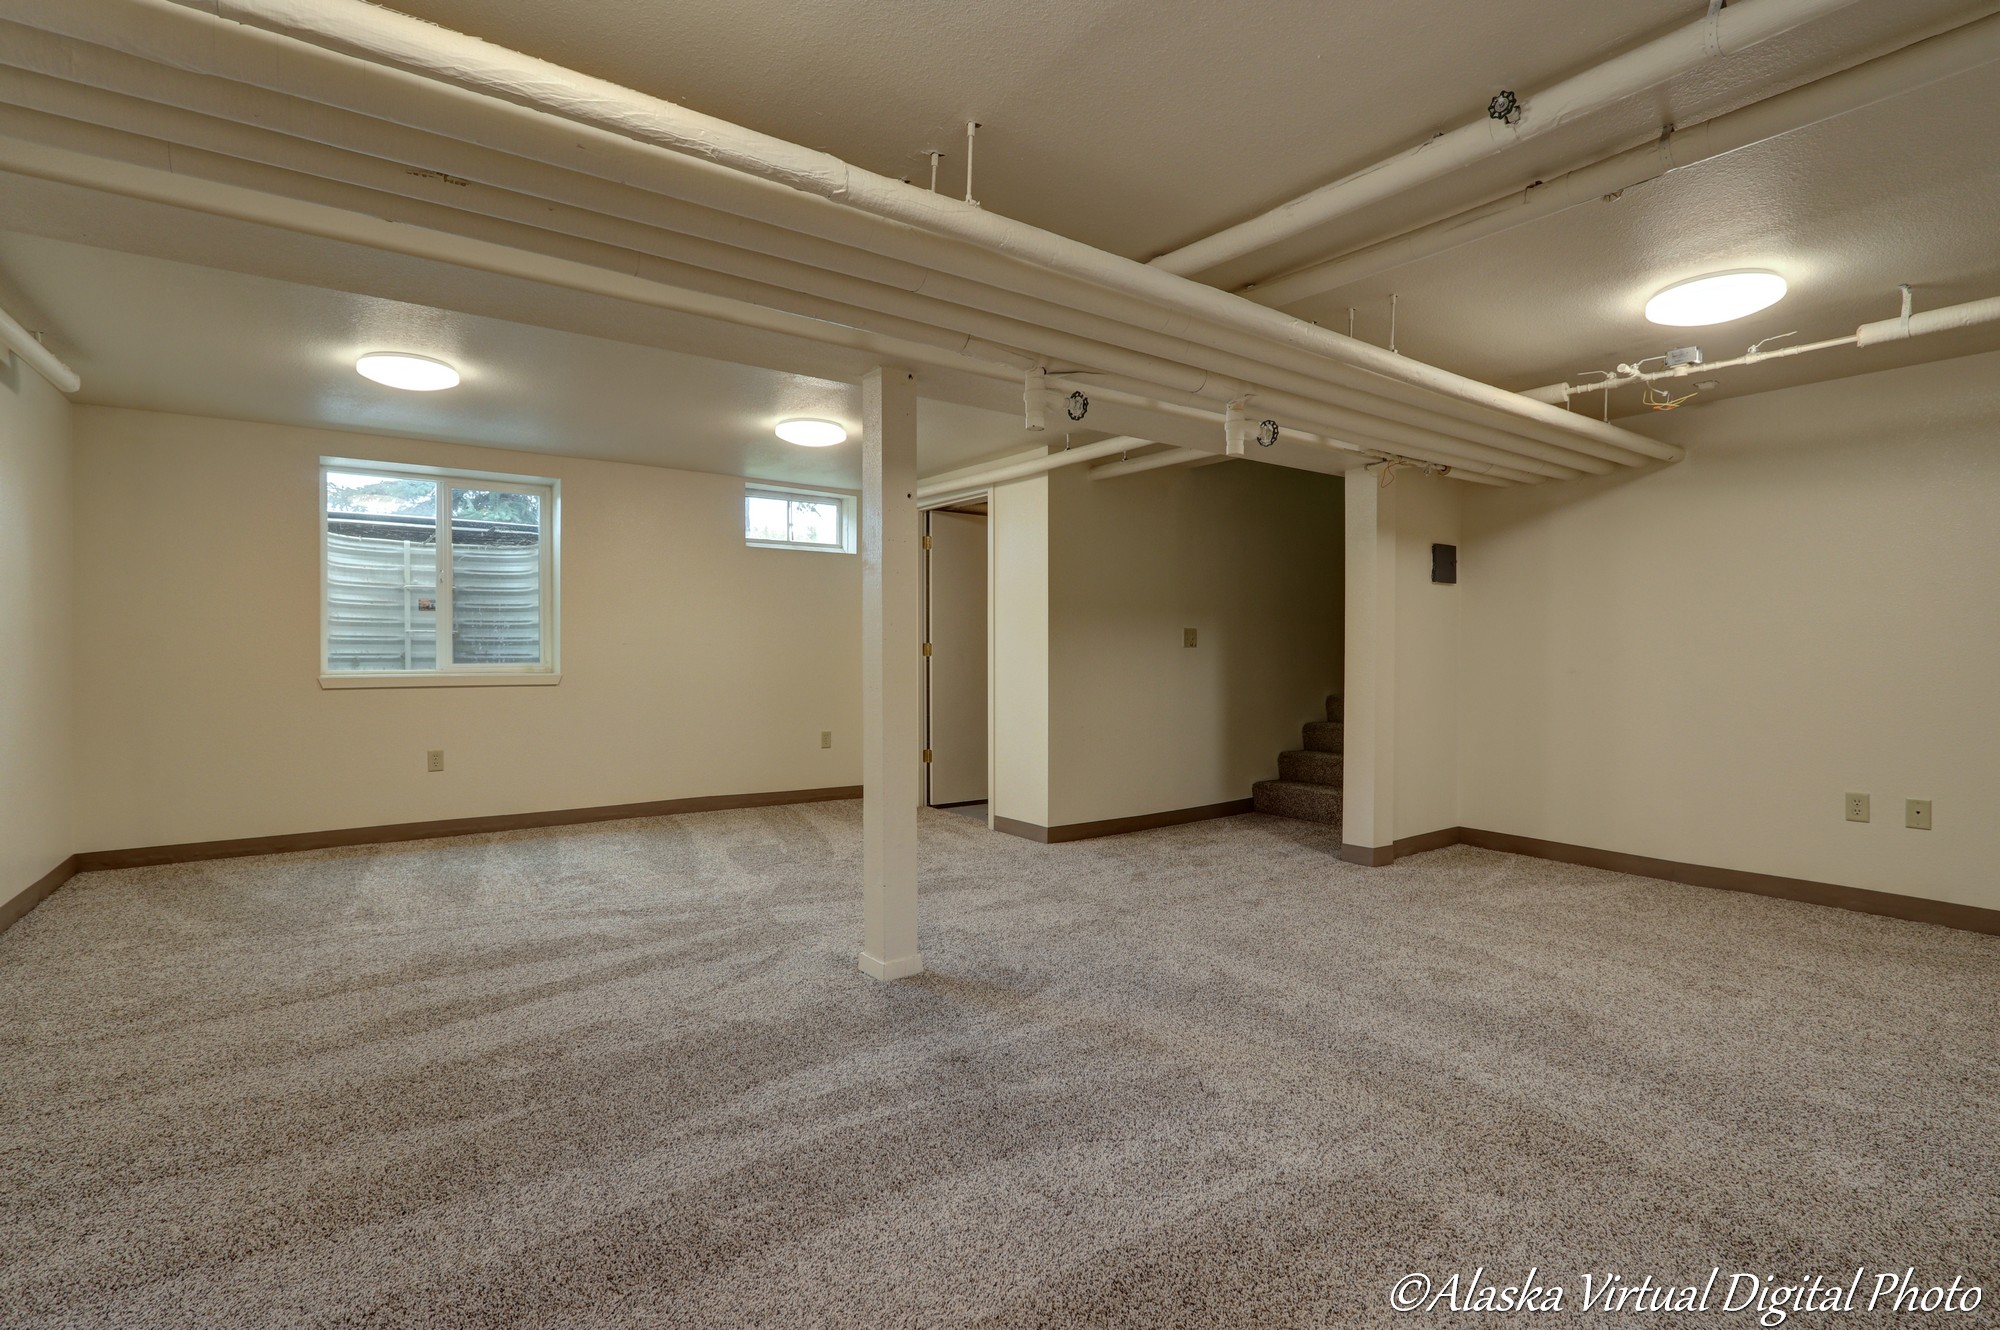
x=432, y=577
x=795, y=519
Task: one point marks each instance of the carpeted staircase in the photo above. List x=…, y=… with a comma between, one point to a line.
x=1308, y=783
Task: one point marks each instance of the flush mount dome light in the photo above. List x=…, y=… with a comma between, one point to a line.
x=417, y=374
x=811, y=433
x=1716, y=298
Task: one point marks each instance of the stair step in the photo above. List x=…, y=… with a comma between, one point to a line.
x=1310, y=768
x=1290, y=798
x=1323, y=736
x=1334, y=710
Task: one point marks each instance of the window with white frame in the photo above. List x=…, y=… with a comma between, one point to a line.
x=430, y=575
x=794, y=519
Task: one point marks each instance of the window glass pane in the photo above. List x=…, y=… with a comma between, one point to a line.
x=381, y=573
x=764, y=518
x=496, y=577
x=815, y=523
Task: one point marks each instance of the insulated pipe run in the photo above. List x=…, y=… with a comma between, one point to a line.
x=1177, y=305
x=1948, y=319
x=798, y=288
x=979, y=478
x=1722, y=32
x=1919, y=65
x=1151, y=462
x=37, y=357
x=828, y=270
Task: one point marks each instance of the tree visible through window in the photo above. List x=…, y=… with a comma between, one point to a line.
x=798, y=519
x=408, y=551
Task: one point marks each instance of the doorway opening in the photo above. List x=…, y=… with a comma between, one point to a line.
x=956, y=658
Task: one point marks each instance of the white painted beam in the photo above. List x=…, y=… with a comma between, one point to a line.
x=891, y=742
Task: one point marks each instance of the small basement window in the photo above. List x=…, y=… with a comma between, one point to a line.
x=792, y=519
x=435, y=577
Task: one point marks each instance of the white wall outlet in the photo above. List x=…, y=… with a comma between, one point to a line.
x=1917, y=814
x=434, y=760
x=826, y=738
x=1187, y=637
x=1857, y=807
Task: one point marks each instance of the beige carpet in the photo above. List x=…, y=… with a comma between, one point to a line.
x=628, y=1075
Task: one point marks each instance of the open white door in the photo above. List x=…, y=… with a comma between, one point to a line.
x=955, y=627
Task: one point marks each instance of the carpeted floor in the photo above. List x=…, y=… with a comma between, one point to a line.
x=628, y=1075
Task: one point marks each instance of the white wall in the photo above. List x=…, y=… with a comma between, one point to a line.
x=36, y=770
x=1248, y=555
x=1696, y=662
x=692, y=665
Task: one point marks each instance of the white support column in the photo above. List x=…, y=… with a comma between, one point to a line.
x=891, y=730
x=1368, y=798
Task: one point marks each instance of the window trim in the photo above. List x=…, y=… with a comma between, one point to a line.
x=549, y=671
x=850, y=520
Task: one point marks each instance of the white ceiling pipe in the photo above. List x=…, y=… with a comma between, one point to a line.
x=184, y=190
x=980, y=478
x=782, y=285
x=95, y=172
x=1381, y=436
x=1916, y=66
x=37, y=357
x=1181, y=306
x=1949, y=318
x=258, y=208
x=104, y=68
x=1151, y=462
x=1722, y=32
x=1968, y=315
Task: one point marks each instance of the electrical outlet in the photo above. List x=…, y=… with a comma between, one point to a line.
x=1187, y=637
x=826, y=738
x=1917, y=814
x=434, y=760
x=1857, y=808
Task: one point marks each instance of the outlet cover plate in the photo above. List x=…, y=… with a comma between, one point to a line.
x=1857, y=807
x=1917, y=814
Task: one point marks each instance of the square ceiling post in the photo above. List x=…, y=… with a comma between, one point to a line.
x=891, y=700
x=1368, y=795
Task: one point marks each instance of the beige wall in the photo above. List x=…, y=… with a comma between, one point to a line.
x=35, y=607
x=1018, y=651
x=1698, y=661
x=692, y=665
x=1429, y=653
x=1248, y=555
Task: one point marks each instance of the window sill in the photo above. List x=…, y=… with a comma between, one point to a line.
x=432, y=680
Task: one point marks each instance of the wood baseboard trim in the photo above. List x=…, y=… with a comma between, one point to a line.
x=1861, y=900
x=36, y=892
x=147, y=856
x=1118, y=826
x=1369, y=856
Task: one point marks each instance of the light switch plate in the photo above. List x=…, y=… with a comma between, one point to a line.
x=1857, y=807
x=1917, y=814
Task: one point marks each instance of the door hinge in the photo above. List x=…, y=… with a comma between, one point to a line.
x=927, y=754
x=927, y=648
x=927, y=542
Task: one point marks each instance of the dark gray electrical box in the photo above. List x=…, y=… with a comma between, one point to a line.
x=1444, y=563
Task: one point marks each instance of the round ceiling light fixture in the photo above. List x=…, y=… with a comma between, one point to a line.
x=416, y=374
x=812, y=433
x=1716, y=298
